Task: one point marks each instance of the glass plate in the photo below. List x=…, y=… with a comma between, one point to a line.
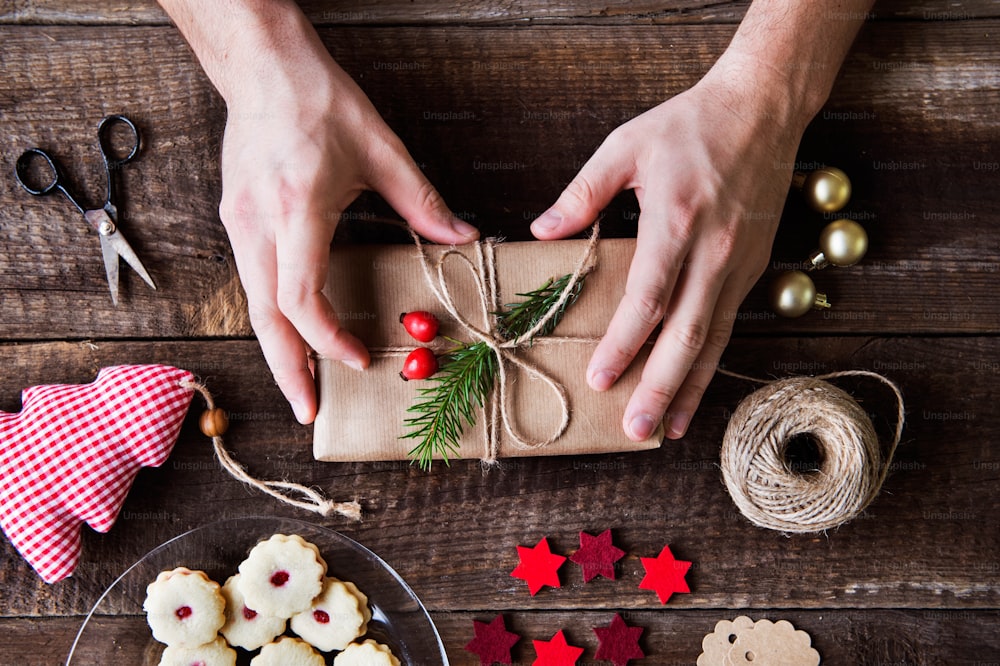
x=115, y=630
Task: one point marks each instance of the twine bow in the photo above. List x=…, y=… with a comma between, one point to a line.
x=483, y=270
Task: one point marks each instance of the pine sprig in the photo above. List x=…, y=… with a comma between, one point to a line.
x=467, y=374
x=519, y=318
x=443, y=409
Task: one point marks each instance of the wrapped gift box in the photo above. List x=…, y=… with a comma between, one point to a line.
x=361, y=414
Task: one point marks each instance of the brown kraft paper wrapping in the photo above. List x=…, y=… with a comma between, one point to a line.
x=361, y=414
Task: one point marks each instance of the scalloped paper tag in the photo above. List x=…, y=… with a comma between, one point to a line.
x=743, y=642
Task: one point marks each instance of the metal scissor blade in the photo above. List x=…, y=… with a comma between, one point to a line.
x=110, y=267
x=121, y=246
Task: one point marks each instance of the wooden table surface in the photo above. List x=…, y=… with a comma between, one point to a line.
x=535, y=87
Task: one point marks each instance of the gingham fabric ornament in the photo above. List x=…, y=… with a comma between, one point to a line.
x=70, y=456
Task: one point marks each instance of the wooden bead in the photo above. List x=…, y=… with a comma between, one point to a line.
x=214, y=422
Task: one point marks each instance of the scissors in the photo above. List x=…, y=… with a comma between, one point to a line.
x=104, y=220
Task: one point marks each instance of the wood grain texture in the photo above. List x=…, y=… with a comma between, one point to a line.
x=501, y=105
x=501, y=119
x=863, y=637
x=930, y=540
x=396, y=12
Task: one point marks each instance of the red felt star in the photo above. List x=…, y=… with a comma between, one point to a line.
x=618, y=642
x=664, y=574
x=597, y=555
x=556, y=652
x=539, y=566
x=492, y=642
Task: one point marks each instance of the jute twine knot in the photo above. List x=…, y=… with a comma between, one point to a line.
x=483, y=271
x=293, y=494
x=755, y=466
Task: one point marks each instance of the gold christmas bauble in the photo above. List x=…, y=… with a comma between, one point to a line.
x=793, y=294
x=843, y=242
x=827, y=189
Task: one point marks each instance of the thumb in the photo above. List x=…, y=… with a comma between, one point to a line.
x=407, y=190
x=603, y=176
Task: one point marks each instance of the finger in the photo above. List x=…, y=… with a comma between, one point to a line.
x=604, y=175
x=689, y=395
x=283, y=348
x=651, y=279
x=401, y=183
x=680, y=342
x=303, y=256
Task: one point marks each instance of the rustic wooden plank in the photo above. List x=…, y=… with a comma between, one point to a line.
x=912, y=119
x=913, y=637
x=929, y=541
x=397, y=12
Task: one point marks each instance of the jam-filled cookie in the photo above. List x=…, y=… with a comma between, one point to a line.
x=334, y=620
x=368, y=653
x=245, y=627
x=288, y=652
x=281, y=576
x=184, y=608
x=216, y=653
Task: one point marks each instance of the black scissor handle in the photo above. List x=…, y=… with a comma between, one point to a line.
x=24, y=165
x=111, y=158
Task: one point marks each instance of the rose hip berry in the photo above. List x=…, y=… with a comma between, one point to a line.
x=420, y=364
x=421, y=325
x=279, y=578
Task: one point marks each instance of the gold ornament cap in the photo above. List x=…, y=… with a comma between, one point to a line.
x=826, y=190
x=793, y=294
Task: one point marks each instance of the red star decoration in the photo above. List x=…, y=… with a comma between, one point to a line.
x=556, y=652
x=664, y=574
x=492, y=642
x=539, y=566
x=618, y=642
x=597, y=555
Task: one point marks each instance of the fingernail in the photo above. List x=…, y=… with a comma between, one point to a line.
x=353, y=364
x=299, y=410
x=641, y=426
x=677, y=424
x=464, y=228
x=602, y=380
x=548, y=221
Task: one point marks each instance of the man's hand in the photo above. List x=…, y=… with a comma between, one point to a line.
x=288, y=171
x=711, y=183
x=302, y=141
x=711, y=169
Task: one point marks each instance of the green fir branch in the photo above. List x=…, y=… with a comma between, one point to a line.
x=519, y=318
x=459, y=387
x=467, y=374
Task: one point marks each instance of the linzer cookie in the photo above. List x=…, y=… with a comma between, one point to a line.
x=287, y=651
x=368, y=653
x=282, y=575
x=246, y=627
x=184, y=608
x=216, y=653
x=334, y=620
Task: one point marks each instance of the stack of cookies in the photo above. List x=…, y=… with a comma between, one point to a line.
x=282, y=584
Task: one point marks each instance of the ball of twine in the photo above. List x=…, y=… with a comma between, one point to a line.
x=764, y=484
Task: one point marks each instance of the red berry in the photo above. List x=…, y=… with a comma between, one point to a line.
x=321, y=616
x=420, y=364
x=421, y=325
x=249, y=613
x=183, y=612
x=279, y=578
